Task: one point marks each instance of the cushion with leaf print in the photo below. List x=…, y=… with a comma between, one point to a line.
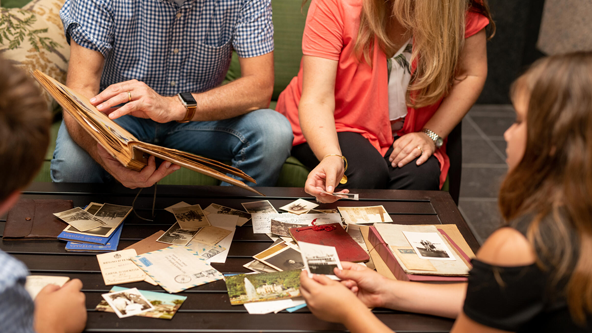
x=34, y=37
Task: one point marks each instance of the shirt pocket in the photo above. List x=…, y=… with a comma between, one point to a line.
x=207, y=65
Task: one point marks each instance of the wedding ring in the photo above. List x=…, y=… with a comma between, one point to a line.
x=129, y=96
x=419, y=147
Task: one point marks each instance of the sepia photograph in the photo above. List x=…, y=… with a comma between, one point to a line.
x=165, y=305
x=93, y=207
x=299, y=206
x=219, y=209
x=128, y=302
x=429, y=245
x=191, y=217
x=320, y=259
x=247, y=288
x=80, y=219
x=282, y=228
x=263, y=206
x=364, y=215
x=177, y=236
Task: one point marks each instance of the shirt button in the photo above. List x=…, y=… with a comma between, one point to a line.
x=179, y=15
x=173, y=83
x=175, y=51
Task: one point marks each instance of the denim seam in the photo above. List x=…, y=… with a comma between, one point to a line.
x=237, y=134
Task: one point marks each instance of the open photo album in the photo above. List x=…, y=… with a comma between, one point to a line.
x=127, y=149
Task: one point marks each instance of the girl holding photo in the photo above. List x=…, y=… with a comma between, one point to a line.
x=535, y=273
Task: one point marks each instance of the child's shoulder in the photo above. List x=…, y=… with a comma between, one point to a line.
x=12, y=271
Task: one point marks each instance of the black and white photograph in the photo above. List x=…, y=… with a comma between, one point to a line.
x=93, y=207
x=299, y=206
x=128, y=303
x=219, y=209
x=191, y=217
x=282, y=228
x=285, y=260
x=113, y=214
x=429, y=245
x=320, y=259
x=80, y=219
x=263, y=206
x=177, y=236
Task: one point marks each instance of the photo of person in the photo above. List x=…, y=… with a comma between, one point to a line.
x=128, y=302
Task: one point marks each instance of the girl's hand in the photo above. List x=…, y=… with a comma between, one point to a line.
x=325, y=177
x=370, y=287
x=411, y=146
x=323, y=297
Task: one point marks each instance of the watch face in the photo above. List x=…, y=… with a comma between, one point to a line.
x=439, y=142
x=187, y=98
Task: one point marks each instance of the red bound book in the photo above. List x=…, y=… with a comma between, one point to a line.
x=347, y=248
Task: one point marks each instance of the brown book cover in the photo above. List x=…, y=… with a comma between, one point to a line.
x=34, y=219
x=346, y=246
x=127, y=149
x=382, y=248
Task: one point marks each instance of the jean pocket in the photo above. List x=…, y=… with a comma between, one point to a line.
x=208, y=64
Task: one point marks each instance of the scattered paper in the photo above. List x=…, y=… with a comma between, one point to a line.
x=80, y=219
x=320, y=259
x=364, y=215
x=299, y=206
x=211, y=235
x=191, y=218
x=35, y=283
x=177, y=236
x=243, y=217
x=117, y=267
x=225, y=243
x=272, y=306
x=177, y=205
x=259, y=267
x=205, y=251
x=127, y=303
x=167, y=304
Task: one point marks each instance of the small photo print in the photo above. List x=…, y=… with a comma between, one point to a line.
x=93, y=207
x=285, y=260
x=247, y=288
x=283, y=228
x=177, y=236
x=113, y=213
x=191, y=217
x=429, y=245
x=263, y=206
x=364, y=215
x=165, y=305
x=80, y=219
x=299, y=206
x=127, y=303
x=320, y=259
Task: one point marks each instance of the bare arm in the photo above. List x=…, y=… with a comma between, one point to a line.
x=252, y=91
x=470, y=79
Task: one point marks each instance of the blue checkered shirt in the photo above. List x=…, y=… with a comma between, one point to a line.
x=16, y=306
x=169, y=47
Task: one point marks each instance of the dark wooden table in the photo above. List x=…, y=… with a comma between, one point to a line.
x=207, y=308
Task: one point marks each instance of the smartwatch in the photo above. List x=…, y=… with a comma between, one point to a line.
x=190, y=106
x=438, y=140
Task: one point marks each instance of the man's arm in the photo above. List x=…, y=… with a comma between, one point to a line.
x=250, y=92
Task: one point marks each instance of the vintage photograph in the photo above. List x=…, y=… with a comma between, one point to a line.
x=285, y=260
x=113, y=214
x=219, y=209
x=177, y=236
x=341, y=195
x=80, y=219
x=364, y=215
x=93, y=207
x=247, y=288
x=282, y=228
x=429, y=245
x=263, y=206
x=259, y=267
x=191, y=217
x=299, y=206
x=320, y=259
x=127, y=303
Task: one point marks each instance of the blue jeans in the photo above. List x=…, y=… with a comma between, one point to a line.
x=258, y=143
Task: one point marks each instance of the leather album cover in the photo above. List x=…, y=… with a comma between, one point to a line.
x=34, y=219
x=347, y=248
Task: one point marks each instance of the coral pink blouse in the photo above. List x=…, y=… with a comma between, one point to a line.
x=361, y=90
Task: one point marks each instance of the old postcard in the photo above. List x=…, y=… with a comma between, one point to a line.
x=191, y=218
x=211, y=235
x=364, y=215
x=165, y=305
x=80, y=219
x=243, y=217
x=177, y=236
x=112, y=220
x=411, y=260
x=341, y=195
x=247, y=288
x=259, y=267
x=299, y=206
x=205, y=251
x=429, y=245
x=286, y=259
x=177, y=205
x=117, y=268
x=35, y=283
x=263, y=206
x=127, y=303
x=177, y=268
x=320, y=259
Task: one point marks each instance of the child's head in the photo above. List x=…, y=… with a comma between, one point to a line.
x=24, y=131
x=550, y=161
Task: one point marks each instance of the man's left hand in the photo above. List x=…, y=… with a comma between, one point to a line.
x=140, y=101
x=411, y=146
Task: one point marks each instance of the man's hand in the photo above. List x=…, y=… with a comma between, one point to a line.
x=134, y=179
x=140, y=101
x=60, y=310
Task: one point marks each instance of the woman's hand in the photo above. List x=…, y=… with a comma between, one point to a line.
x=325, y=177
x=323, y=296
x=140, y=101
x=411, y=146
x=370, y=287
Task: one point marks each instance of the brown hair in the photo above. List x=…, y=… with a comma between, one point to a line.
x=438, y=36
x=24, y=129
x=554, y=178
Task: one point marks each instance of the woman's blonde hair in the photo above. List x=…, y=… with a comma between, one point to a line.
x=438, y=29
x=554, y=177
